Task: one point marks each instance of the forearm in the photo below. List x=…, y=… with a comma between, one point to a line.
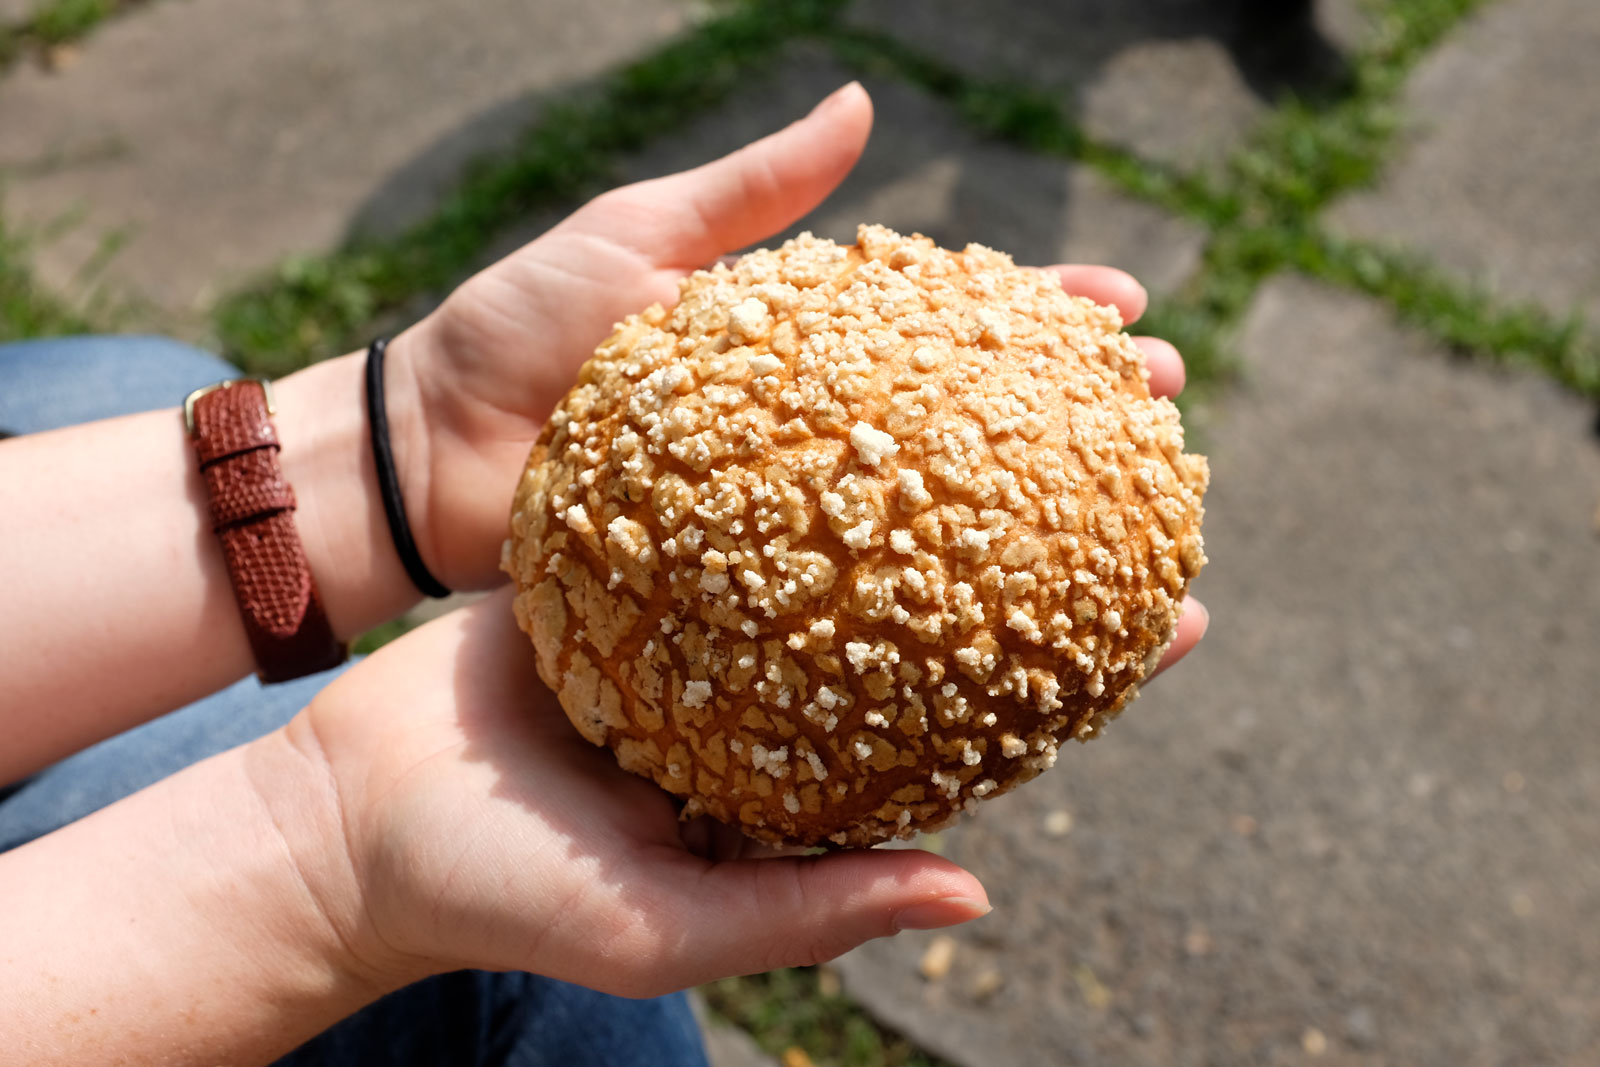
x=117, y=601
x=198, y=921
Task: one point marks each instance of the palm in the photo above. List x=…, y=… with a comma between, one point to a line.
x=518, y=334
x=485, y=788
x=485, y=832
x=510, y=342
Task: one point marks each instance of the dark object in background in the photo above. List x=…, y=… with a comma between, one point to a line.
x=1280, y=50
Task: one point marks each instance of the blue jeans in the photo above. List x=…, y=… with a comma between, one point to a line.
x=468, y=1017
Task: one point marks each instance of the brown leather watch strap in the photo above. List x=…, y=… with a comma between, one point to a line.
x=252, y=513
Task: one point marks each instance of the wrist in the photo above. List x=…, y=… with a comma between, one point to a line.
x=293, y=782
x=327, y=460
x=457, y=526
x=200, y=920
x=402, y=444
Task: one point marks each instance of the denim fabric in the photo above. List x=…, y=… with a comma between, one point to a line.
x=89, y=780
x=59, y=382
x=468, y=1017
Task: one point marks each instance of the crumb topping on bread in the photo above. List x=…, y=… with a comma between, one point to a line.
x=853, y=536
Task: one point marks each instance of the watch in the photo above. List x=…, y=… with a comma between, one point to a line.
x=252, y=514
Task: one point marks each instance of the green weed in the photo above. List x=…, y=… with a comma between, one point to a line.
x=60, y=21
x=26, y=310
x=804, y=1008
x=53, y=23
x=314, y=307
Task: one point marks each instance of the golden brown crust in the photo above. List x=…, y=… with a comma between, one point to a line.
x=853, y=536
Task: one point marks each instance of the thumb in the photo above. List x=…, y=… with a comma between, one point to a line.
x=746, y=916
x=690, y=218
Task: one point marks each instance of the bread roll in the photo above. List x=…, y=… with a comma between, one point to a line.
x=853, y=537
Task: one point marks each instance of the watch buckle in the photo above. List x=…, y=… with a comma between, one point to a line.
x=194, y=397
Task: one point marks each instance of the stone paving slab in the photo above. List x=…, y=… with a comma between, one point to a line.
x=924, y=171
x=1360, y=821
x=728, y=1046
x=13, y=12
x=1502, y=180
x=218, y=137
x=1154, y=75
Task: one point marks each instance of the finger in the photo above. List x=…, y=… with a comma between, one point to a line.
x=1105, y=285
x=1191, y=628
x=1166, y=365
x=754, y=915
x=753, y=193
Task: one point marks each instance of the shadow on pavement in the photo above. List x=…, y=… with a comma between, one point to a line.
x=923, y=171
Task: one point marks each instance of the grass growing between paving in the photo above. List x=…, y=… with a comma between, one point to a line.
x=1469, y=320
x=317, y=305
x=1195, y=319
x=1261, y=206
x=54, y=23
x=1302, y=158
x=802, y=1016
x=26, y=310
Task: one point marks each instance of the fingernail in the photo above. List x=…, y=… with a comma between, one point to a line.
x=833, y=99
x=946, y=911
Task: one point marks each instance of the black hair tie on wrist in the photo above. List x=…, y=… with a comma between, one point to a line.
x=394, y=505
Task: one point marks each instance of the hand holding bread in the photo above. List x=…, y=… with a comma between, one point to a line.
x=854, y=537
x=971, y=603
